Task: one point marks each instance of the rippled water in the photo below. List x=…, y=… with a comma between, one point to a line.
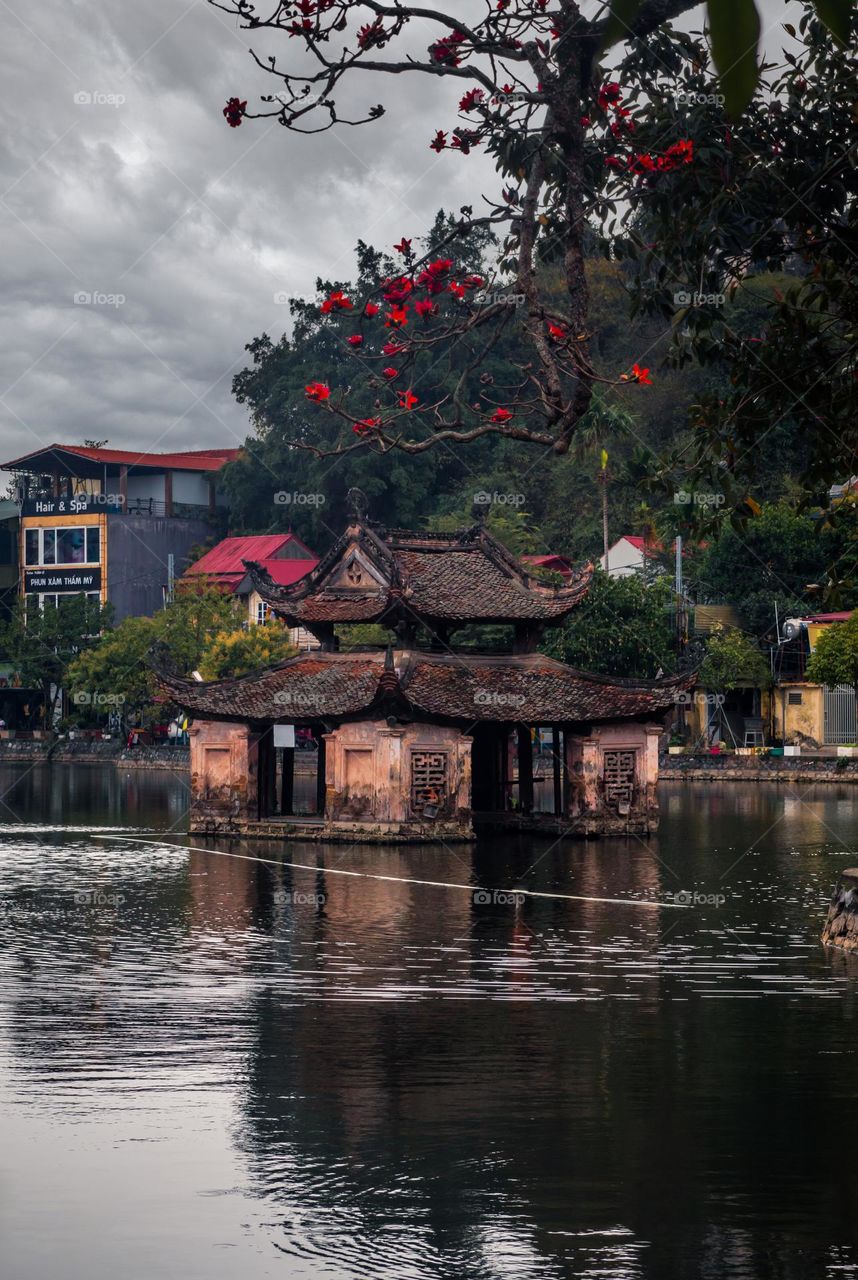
x=213, y=1066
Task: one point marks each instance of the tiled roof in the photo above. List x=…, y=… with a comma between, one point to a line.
x=530, y=688
x=461, y=577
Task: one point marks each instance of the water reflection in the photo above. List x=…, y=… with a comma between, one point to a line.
x=216, y=1065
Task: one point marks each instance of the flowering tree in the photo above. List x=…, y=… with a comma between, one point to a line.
x=580, y=151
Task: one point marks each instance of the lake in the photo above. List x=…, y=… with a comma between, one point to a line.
x=215, y=1066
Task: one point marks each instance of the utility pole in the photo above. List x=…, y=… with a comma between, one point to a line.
x=171, y=576
x=603, y=479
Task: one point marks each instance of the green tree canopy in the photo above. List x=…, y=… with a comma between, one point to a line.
x=41, y=643
x=243, y=650
x=733, y=660
x=623, y=628
x=835, y=656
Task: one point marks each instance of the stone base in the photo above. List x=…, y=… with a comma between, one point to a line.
x=581, y=826
x=448, y=832
x=336, y=832
x=841, y=927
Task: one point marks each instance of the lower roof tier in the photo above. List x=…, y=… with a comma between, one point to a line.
x=528, y=688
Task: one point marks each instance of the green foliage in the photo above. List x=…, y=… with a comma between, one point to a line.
x=115, y=665
x=835, y=656
x=623, y=628
x=734, y=27
x=240, y=652
x=732, y=659
x=116, y=668
x=780, y=559
x=41, y=643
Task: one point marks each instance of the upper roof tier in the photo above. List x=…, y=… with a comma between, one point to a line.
x=441, y=579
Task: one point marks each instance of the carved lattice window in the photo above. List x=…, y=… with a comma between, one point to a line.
x=428, y=779
x=619, y=776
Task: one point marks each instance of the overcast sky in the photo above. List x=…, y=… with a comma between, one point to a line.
x=120, y=179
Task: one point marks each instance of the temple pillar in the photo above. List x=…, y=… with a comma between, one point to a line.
x=525, y=769
x=582, y=774
x=223, y=773
x=556, y=762
x=322, y=782
x=287, y=782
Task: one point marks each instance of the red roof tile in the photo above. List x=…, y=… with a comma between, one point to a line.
x=185, y=460
x=230, y=553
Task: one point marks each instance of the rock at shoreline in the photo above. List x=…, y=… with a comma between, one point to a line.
x=841, y=927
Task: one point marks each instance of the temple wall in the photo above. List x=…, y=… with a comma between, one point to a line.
x=223, y=771
x=612, y=775
x=380, y=774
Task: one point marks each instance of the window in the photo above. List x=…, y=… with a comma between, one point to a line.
x=63, y=545
x=794, y=698
x=428, y=779
x=71, y=546
x=262, y=611
x=56, y=600
x=619, y=776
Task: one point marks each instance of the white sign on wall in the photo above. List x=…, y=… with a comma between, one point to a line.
x=284, y=735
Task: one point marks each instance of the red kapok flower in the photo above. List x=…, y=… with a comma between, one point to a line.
x=425, y=308
x=439, y=142
x=356, y=340
x=403, y=246
x=609, y=94
x=501, y=415
x=390, y=372
x=446, y=50
x=432, y=278
x=396, y=318
x=233, y=111
x=557, y=332
x=366, y=424
x=681, y=151
x=407, y=400
x=397, y=290
x=641, y=375
x=464, y=139
x=317, y=391
x=472, y=99
x=393, y=348
x=371, y=309
x=372, y=35
x=336, y=301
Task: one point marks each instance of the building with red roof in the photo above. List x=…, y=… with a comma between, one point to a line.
x=283, y=557
x=117, y=524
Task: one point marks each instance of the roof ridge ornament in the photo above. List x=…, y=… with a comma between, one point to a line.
x=357, y=504
x=479, y=510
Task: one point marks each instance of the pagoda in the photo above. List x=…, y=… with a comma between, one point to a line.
x=425, y=739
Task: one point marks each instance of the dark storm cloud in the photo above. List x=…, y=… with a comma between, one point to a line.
x=121, y=180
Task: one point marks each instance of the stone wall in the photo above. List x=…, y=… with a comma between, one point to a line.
x=732, y=768
x=84, y=751
x=373, y=769
x=589, y=802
